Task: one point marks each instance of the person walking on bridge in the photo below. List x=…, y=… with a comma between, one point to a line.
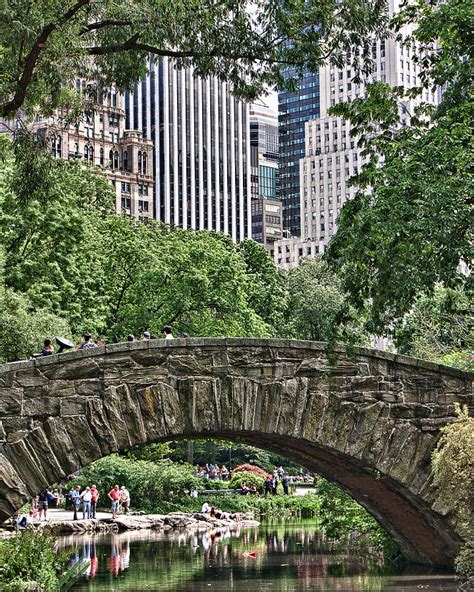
x=88, y=342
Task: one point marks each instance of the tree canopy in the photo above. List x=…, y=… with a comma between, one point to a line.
x=409, y=227
x=46, y=44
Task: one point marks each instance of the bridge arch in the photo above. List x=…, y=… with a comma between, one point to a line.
x=369, y=423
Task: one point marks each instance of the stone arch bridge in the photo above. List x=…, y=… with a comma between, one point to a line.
x=368, y=423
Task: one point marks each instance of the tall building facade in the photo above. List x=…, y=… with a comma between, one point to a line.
x=267, y=214
x=201, y=138
x=294, y=110
x=101, y=141
x=331, y=156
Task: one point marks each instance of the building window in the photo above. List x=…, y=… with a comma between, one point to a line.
x=111, y=159
x=56, y=146
x=116, y=160
x=125, y=160
x=101, y=157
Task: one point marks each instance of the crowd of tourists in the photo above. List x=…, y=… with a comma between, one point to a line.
x=76, y=501
x=213, y=471
x=87, y=499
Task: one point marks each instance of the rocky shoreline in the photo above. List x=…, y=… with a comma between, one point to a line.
x=156, y=522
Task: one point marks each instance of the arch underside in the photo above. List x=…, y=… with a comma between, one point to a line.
x=368, y=424
x=422, y=536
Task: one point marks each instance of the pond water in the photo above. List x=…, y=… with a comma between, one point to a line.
x=273, y=557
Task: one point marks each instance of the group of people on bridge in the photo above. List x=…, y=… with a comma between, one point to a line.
x=89, y=343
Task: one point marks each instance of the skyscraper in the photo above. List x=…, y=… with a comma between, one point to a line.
x=294, y=108
x=201, y=138
x=330, y=156
x=267, y=215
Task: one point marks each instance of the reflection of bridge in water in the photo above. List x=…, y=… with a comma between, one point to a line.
x=369, y=423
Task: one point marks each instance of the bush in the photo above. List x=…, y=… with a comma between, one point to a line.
x=30, y=561
x=250, y=479
x=251, y=469
x=154, y=487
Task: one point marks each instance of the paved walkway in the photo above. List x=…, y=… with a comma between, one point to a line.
x=55, y=515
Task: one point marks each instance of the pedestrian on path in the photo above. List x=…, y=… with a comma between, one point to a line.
x=125, y=499
x=76, y=500
x=95, y=496
x=114, y=496
x=86, y=497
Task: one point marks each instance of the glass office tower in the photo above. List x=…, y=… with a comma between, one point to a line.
x=295, y=109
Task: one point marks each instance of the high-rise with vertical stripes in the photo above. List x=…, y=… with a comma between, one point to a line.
x=201, y=138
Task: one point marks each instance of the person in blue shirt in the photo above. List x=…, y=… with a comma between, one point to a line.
x=75, y=496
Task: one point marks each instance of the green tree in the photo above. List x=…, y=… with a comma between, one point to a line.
x=50, y=220
x=152, y=486
x=23, y=328
x=317, y=306
x=46, y=44
x=68, y=253
x=453, y=475
x=266, y=285
x=438, y=327
x=410, y=224
x=195, y=281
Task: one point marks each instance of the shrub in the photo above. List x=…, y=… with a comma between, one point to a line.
x=153, y=487
x=251, y=469
x=30, y=561
x=250, y=479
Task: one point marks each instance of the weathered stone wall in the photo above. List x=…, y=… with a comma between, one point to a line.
x=370, y=423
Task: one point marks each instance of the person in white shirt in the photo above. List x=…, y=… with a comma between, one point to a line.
x=206, y=508
x=125, y=499
x=86, y=497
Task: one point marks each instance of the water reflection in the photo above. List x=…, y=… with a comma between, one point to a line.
x=273, y=557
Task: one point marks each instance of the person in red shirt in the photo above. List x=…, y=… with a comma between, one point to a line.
x=114, y=496
x=95, y=496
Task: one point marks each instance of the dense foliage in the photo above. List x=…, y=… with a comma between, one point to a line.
x=439, y=327
x=29, y=561
x=46, y=44
x=153, y=486
x=317, y=305
x=409, y=227
x=58, y=227
x=454, y=476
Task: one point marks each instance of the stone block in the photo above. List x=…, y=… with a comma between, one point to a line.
x=30, y=378
x=10, y=401
x=100, y=426
x=92, y=388
x=131, y=414
x=64, y=448
x=115, y=416
x=6, y=377
x=80, y=433
x=75, y=405
x=76, y=370
x=41, y=407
